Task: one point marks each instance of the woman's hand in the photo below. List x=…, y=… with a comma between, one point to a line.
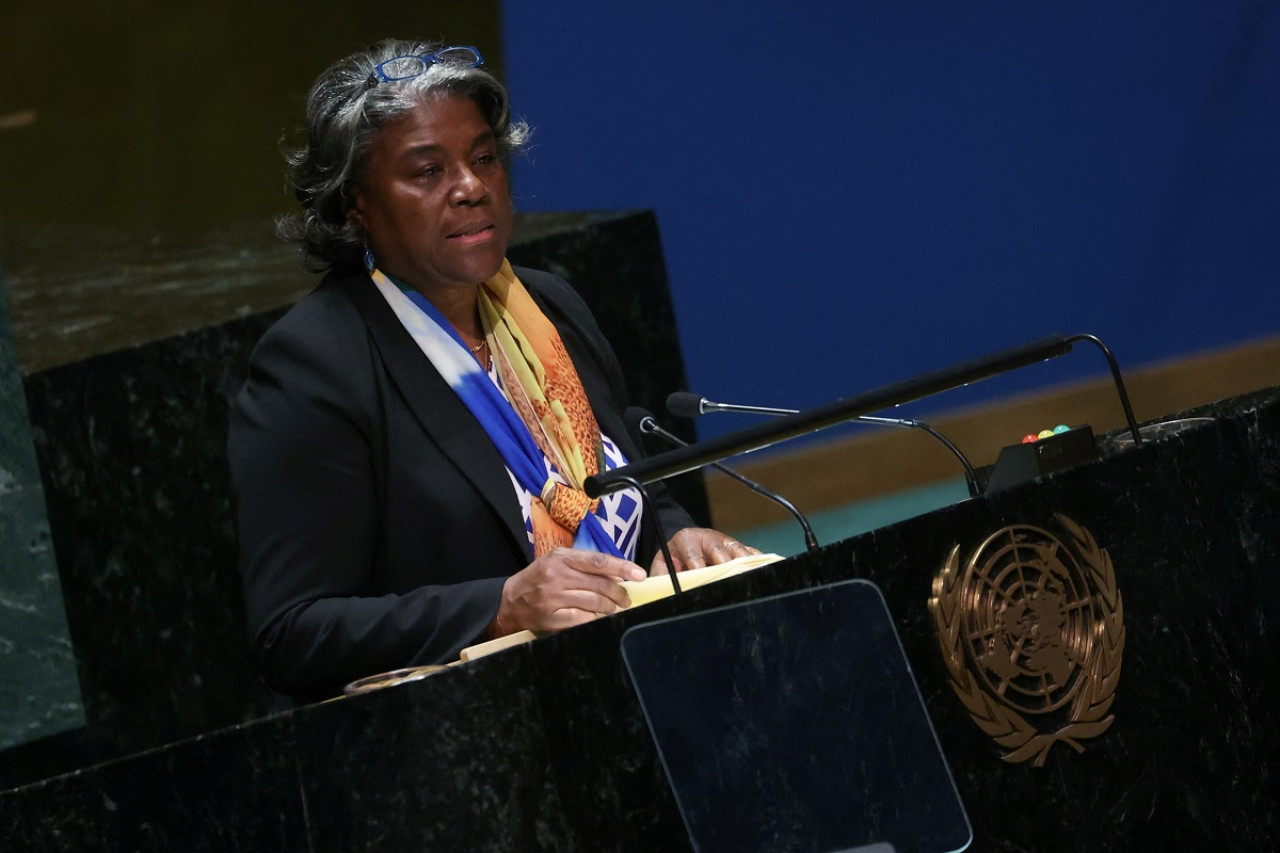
x=695, y=547
x=563, y=588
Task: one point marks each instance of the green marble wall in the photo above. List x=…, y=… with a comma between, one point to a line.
x=39, y=693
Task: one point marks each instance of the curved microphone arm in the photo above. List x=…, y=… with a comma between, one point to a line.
x=684, y=404
x=810, y=540
x=689, y=458
x=970, y=476
x=695, y=456
x=1119, y=383
x=657, y=525
x=647, y=425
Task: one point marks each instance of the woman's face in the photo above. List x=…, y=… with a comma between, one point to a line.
x=434, y=203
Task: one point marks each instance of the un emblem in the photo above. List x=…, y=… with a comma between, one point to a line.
x=1032, y=632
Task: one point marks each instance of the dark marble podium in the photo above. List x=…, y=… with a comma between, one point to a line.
x=543, y=747
x=131, y=345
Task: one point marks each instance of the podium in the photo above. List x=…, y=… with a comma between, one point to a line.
x=1170, y=634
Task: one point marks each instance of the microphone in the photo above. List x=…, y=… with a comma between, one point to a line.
x=640, y=421
x=695, y=456
x=684, y=404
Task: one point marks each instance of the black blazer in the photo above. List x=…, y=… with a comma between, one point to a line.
x=377, y=521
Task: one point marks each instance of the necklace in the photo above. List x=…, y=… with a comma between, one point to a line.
x=475, y=349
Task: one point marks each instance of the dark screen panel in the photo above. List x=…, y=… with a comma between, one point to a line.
x=794, y=723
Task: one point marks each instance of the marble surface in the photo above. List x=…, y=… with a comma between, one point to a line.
x=78, y=293
x=222, y=791
x=545, y=747
x=1189, y=761
x=132, y=449
x=131, y=347
x=39, y=693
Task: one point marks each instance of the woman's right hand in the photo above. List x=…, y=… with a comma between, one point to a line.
x=563, y=588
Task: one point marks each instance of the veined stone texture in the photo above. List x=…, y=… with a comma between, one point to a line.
x=39, y=691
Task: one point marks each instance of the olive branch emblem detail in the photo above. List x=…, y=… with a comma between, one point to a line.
x=1032, y=628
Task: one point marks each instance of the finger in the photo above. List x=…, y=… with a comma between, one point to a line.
x=561, y=608
x=689, y=556
x=568, y=617
x=606, y=595
x=596, y=602
x=686, y=548
x=602, y=565
x=568, y=584
x=728, y=549
x=738, y=549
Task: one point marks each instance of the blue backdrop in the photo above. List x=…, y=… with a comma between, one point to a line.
x=852, y=193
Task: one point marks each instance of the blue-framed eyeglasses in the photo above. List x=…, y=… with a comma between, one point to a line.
x=408, y=67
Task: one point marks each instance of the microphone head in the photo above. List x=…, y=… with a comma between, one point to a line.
x=639, y=420
x=684, y=404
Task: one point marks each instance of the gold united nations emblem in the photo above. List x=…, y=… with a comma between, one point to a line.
x=1032, y=632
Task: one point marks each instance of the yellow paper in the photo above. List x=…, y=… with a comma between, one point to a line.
x=659, y=586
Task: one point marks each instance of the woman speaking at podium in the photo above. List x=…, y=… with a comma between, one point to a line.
x=410, y=444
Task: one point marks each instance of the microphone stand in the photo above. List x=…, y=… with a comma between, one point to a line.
x=649, y=426
x=1117, y=381
x=657, y=523
x=684, y=459
x=684, y=404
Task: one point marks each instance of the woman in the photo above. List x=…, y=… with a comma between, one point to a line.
x=410, y=444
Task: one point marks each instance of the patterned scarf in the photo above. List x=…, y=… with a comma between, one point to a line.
x=544, y=412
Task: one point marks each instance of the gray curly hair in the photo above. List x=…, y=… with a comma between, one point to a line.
x=344, y=112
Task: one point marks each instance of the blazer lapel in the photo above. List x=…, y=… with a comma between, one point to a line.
x=438, y=409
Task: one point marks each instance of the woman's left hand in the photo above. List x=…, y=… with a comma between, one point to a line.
x=695, y=547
